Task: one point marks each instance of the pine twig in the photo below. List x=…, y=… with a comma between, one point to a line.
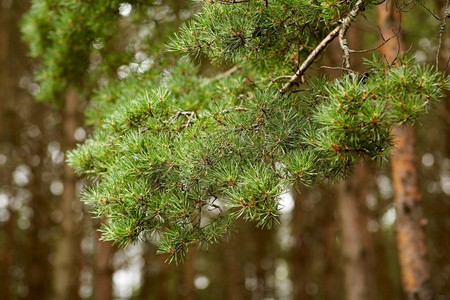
x=441, y=32
x=344, y=25
x=344, y=45
x=377, y=47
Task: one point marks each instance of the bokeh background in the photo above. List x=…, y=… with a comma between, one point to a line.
x=49, y=242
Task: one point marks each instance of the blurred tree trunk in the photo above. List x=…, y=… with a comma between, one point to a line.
x=234, y=276
x=161, y=279
x=189, y=274
x=411, y=241
x=38, y=244
x=154, y=275
x=149, y=276
x=440, y=207
x=4, y=53
x=186, y=273
x=7, y=229
x=66, y=271
x=315, y=267
x=299, y=253
x=356, y=239
x=262, y=239
x=103, y=272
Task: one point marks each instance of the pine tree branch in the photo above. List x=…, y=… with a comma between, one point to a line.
x=441, y=32
x=344, y=25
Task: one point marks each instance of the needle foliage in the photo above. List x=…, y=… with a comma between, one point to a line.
x=179, y=156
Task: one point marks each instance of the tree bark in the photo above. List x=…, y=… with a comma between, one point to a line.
x=162, y=278
x=299, y=249
x=66, y=273
x=103, y=278
x=7, y=245
x=316, y=270
x=186, y=287
x=356, y=239
x=411, y=241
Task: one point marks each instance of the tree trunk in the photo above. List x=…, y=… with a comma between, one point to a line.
x=186, y=274
x=7, y=229
x=315, y=267
x=103, y=278
x=234, y=276
x=356, y=239
x=66, y=273
x=299, y=249
x=411, y=241
x=36, y=248
x=162, y=278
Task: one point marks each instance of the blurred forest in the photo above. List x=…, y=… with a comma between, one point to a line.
x=49, y=247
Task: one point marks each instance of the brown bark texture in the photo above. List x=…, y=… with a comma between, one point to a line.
x=356, y=239
x=186, y=287
x=316, y=272
x=411, y=240
x=6, y=251
x=103, y=279
x=66, y=272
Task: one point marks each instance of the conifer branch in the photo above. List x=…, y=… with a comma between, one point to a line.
x=441, y=31
x=344, y=25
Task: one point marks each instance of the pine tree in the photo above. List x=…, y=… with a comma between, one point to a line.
x=178, y=156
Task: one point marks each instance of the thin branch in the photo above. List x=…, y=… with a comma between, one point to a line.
x=429, y=10
x=279, y=78
x=446, y=65
x=344, y=23
x=441, y=32
x=344, y=45
x=377, y=47
x=338, y=68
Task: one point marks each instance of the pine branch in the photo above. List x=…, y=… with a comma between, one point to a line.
x=344, y=25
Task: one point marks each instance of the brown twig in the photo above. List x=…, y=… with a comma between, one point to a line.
x=338, y=68
x=441, y=32
x=429, y=10
x=344, y=45
x=344, y=24
x=377, y=47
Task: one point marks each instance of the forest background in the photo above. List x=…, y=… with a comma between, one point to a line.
x=49, y=247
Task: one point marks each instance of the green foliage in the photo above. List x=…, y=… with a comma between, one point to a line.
x=184, y=170
x=274, y=35
x=79, y=42
x=178, y=156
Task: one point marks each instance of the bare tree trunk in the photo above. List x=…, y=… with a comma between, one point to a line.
x=356, y=244
x=411, y=241
x=185, y=287
x=315, y=266
x=37, y=249
x=103, y=273
x=189, y=274
x=4, y=50
x=154, y=275
x=5, y=254
x=66, y=273
x=161, y=279
x=234, y=276
x=299, y=249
